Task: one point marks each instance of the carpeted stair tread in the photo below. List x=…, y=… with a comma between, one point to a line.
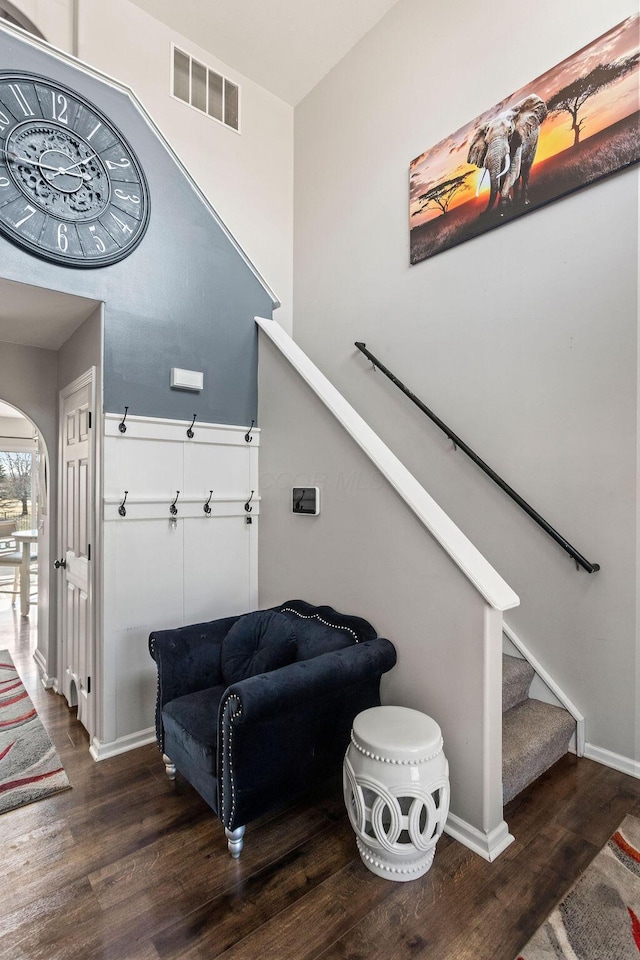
x=517, y=675
x=534, y=736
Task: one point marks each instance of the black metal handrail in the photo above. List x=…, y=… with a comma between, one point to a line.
x=457, y=442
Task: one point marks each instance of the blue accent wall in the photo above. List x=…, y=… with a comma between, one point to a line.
x=184, y=298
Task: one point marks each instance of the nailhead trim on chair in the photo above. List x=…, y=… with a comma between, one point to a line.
x=410, y=763
x=226, y=756
x=316, y=616
x=159, y=738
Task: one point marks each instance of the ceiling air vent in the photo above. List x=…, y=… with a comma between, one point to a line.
x=204, y=89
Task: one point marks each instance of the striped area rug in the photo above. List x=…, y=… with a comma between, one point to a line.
x=599, y=919
x=30, y=768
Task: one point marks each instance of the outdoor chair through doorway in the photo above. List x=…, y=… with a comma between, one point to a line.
x=9, y=566
x=11, y=559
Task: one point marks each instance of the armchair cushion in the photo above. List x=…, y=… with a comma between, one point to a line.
x=257, y=643
x=191, y=723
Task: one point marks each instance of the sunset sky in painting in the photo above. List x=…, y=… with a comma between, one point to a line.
x=449, y=158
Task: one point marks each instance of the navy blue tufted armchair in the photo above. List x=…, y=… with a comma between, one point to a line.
x=254, y=710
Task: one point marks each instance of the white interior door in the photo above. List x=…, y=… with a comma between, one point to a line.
x=74, y=563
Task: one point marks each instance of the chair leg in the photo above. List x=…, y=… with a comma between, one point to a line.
x=169, y=766
x=235, y=841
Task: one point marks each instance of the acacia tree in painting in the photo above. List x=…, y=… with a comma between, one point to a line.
x=572, y=98
x=442, y=194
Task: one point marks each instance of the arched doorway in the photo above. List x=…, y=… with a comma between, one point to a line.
x=24, y=510
x=47, y=338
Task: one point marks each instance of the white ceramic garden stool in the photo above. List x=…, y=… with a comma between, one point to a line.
x=396, y=790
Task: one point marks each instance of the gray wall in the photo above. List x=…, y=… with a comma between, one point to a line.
x=184, y=297
x=28, y=380
x=524, y=339
x=367, y=555
x=81, y=351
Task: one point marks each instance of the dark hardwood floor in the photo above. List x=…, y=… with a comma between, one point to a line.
x=127, y=866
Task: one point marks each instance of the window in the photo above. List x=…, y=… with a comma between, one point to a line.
x=196, y=84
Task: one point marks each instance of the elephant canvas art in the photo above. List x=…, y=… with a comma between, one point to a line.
x=577, y=123
x=506, y=147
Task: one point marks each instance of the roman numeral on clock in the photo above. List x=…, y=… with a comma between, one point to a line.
x=23, y=103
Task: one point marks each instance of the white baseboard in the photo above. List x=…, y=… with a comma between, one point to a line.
x=487, y=845
x=100, y=750
x=46, y=681
x=613, y=760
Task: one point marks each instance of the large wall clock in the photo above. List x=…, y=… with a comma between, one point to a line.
x=71, y=188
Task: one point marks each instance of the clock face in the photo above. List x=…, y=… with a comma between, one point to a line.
x=71, y=188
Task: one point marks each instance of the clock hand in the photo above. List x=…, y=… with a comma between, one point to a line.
x=48, y=166
x=32, y=163
x=76, y=173
x=77, y=164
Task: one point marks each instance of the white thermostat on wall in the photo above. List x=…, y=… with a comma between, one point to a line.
x=306, y=500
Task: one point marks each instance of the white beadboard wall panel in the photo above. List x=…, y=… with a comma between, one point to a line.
x=149, y=575
x=162, y=572
x=217, y=575
x=137, y=683
x=144, y=595
x=154, y=468
x=223, y=468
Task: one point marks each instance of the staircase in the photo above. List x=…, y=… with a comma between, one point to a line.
x=534, y=734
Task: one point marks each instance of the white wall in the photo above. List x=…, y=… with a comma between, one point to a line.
x=53, y=18
x=524, y=339
x=247, y=177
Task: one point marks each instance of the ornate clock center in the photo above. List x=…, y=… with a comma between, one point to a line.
x=59, y=171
